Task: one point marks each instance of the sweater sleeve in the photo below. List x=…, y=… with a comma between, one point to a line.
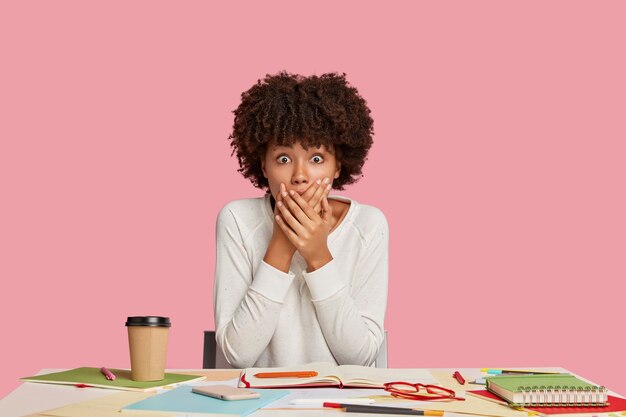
x=352, y=315
x=247, y=303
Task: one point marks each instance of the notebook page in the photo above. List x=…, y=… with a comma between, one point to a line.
x=378, y=376
x=326, y=373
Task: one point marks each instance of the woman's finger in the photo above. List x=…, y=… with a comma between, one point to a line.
x=303, y=211
x=280, y=196
x=327, y=211
x=310, y=192
x=287, y=216
x=288, y=231
x=316, y=200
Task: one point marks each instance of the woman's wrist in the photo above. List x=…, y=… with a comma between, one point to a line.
x=279, y=255
x=319, y=260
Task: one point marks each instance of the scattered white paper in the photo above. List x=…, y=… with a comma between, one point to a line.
x=324, y=394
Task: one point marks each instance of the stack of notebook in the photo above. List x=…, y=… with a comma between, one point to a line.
x=550, y=394
x=547, y=390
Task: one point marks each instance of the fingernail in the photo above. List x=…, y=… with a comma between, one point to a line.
x=292, y=192
x=326, y=180
x=318, y=182
x=284, y=194
x=279, y=204
x=329, y=186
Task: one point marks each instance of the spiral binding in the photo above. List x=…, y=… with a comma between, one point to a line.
x=554, y=396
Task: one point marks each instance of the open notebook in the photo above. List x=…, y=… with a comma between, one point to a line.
x=329, y=375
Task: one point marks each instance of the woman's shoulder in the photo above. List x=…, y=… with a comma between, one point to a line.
x=364, y=216
x=371, y=216
x=369, y=223
x=246, y=209
x=244, y=204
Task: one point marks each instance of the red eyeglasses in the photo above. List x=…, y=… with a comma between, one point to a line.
x=420, y=391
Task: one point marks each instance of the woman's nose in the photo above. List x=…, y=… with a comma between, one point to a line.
x=299, y=176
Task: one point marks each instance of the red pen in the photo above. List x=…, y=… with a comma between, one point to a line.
x=458, y=377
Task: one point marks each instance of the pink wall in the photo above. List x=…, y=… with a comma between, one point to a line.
x=498, y=159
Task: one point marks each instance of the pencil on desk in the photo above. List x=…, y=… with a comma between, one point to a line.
x=377, y=409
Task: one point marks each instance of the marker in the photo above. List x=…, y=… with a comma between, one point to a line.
x=297, y=374
x=107, y=374
x=515, y=371
x=377, y=409
x=320, y=401
x=458, y=377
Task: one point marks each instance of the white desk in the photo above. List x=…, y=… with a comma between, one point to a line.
x=31, y=398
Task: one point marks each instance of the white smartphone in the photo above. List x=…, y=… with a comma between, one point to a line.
x=225, y=392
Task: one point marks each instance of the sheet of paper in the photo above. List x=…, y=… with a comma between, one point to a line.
x=229, y=382
x=111, y=405
x=108, y=406
x=471, y=405
x=322, y=393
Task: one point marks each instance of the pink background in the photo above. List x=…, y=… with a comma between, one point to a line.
x=498, y=160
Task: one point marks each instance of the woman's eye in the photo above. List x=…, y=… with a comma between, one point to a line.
x=317, y=159
x=283, y=159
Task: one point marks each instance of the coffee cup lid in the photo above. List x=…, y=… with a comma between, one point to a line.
x=152, y=321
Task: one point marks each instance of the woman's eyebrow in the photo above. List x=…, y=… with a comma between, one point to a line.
x=321, y=149
x=278, y=148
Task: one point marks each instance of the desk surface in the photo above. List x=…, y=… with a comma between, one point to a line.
x=30, y=398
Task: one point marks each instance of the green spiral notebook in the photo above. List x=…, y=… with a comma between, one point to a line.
x=547, y=390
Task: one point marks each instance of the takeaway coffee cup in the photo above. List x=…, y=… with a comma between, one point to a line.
x=147, y=340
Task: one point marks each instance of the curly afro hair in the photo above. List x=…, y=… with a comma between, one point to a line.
x=317, y=110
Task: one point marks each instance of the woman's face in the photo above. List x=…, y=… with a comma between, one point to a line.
x=297, y=167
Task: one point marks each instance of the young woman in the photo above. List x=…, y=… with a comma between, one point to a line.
x=301, y=276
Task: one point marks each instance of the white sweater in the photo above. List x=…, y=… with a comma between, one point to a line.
x=265, y=317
